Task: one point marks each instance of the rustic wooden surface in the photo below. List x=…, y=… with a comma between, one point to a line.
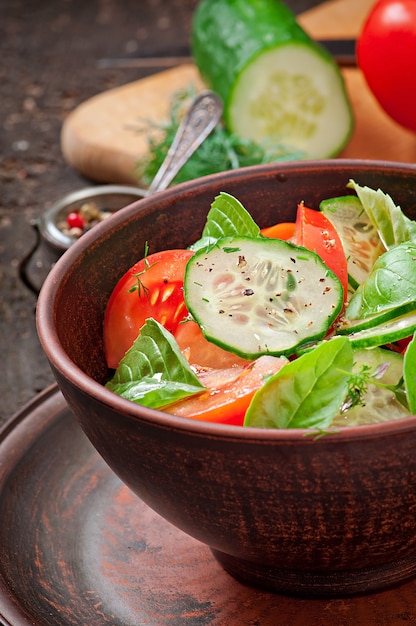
x=49, y=54
x=108, y=134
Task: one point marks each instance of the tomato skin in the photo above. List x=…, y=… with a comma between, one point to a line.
x=315, y=232
x=282, y=230
x=386, y=53
x=160, y=296
x=229, y=392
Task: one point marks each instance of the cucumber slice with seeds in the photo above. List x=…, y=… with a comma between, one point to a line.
x=261, y=296
x=362, y=244
x=277, y=84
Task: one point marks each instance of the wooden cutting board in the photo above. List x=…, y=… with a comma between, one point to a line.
x=104, y=137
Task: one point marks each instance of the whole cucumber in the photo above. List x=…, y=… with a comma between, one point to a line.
x=277, y=84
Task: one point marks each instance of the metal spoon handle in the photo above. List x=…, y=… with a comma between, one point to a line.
x=198, y=122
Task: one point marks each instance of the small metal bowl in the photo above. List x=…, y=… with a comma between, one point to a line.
x=52, y=242
x=106, y=197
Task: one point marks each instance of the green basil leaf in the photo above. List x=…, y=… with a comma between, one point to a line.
x=154, y=372
x=390, y=285
x=409, y=374
x=307, y=392
x=153, y=392
x=393, y=226
x=226, y=218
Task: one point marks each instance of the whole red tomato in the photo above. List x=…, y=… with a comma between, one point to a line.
x=386, y=54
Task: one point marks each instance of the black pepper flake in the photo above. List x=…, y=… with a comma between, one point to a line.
x=248, y=292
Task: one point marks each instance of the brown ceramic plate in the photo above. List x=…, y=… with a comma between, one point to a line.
x=77, y=547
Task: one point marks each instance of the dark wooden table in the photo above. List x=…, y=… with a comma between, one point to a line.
x=49, y=53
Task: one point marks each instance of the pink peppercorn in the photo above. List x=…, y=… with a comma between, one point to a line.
x=74, y=220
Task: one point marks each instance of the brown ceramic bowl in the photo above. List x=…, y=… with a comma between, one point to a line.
x=314, y=517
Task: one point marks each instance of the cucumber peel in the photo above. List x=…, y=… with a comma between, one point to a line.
x=277, y=84
x=389, y=331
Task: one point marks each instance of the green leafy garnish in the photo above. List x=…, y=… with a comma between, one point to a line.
x=359, y=382
x=141, y=289
x=390, y=285
x=221, y=150
x=226, y=218
x=393, y=226
x=154, y=372
x=409, y=372
x=307, y=392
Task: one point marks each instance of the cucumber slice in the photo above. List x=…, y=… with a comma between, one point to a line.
x=362, y=244
x=261, y=296
x=389, y=331
x=379, y=404
x=277, y=84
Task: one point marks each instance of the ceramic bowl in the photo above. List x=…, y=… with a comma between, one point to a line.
x=295, y=514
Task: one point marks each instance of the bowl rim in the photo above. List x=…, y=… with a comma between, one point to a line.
x=61, y=362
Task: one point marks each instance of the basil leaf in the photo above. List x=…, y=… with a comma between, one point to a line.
x=226, y=218
x=307, y=392
x=391, y=284
x=393, y=226
x=154, y=372
x=409, y=374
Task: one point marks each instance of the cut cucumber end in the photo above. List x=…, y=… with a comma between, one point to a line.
x=292, y=94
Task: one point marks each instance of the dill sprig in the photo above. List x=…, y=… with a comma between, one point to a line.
x=142, y=289
x=358, y=385
x=221, y=151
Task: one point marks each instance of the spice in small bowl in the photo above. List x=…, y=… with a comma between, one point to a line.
x=81, y=219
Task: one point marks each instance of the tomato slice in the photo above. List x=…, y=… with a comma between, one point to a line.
x=201, y=352
x=315, y=232
x=153, y=287
x=229, y=392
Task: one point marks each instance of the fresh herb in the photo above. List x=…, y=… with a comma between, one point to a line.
x=393, y=226
x=307, y=392
x=154, y=372
x=221, y=150
x=142, y=289
x=390, y=286
x=409, y=369
x=358, y=385
x=227, y=217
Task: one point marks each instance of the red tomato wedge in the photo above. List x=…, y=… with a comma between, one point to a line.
x=229, y=392
x=201, y=352
x=153, y=287
x=315, y=232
